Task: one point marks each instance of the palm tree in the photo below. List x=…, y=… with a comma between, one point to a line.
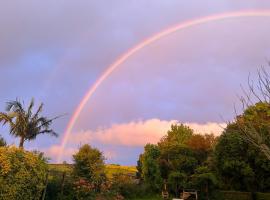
x=25, y=124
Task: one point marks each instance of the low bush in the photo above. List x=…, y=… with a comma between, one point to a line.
x=231, y=195
x=22, y=174
x=262, y=196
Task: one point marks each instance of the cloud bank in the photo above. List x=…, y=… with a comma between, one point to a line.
x=133, y=134
x=138, y=133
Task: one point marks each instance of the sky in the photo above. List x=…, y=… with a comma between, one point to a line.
x=55, y=51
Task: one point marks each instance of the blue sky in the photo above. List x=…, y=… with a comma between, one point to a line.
x=55, y=50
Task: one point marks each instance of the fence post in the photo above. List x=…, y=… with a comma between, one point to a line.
x=62, y=184
x=46, y=183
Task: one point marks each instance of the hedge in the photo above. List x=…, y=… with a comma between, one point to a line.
x=235, y=195
x=262, y=196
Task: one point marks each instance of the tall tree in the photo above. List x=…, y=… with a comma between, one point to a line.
x=24, y=123
x=89, y=165
x=150, y=166
x=239, y=164
x=254, y=124
x=179, y=134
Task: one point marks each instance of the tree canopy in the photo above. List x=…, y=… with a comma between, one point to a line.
x=89, y=165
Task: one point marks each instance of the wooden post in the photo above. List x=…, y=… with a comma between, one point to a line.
x=62, y=184
x=46, y=183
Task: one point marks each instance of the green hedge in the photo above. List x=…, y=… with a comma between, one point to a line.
x=235, y=195
x=262, y=196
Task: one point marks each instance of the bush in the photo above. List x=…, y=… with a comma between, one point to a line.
x=128, y=187
x=262, y=196
x=89, y=165
x=232, y=195
x=56, y=180
x=22, y=174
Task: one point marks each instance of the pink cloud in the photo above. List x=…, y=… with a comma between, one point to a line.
x=138, y=133
x=53, y=151
x=132, y=134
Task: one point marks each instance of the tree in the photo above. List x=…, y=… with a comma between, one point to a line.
x=202, y=146
x=174, y=152
x=178, y=135
x=239, y=164
x=2, y=141
x=260, y=94
x=25, y=124
x=204, y=180
x=150, y=166
x=254, y=126
x=89, y=165
x=22, y=174
x=177, y=181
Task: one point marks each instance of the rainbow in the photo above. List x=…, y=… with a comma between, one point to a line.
x=141, y=45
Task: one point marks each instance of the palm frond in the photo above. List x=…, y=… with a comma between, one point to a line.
x=30, y=107
x=39, y=110
x=15, y=106
x=5, y=118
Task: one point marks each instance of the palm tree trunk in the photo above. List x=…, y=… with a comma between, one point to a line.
x=21, y=142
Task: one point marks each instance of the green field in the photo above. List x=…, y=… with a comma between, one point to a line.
x=110, y=169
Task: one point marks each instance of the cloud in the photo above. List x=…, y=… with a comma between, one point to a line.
x=53, y=151
x=138, y=133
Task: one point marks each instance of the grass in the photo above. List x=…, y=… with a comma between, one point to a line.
x=61, y=167
x=110, y=169
x=116, y=169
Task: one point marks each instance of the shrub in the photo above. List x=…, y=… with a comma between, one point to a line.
x=234, y=195
x=262, y=196
x=22, y=174
x=89, y=165
x=58, y=178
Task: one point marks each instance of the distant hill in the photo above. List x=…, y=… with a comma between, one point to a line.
x=58, y=169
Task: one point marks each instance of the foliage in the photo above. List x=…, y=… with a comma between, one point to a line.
x=60, y=178
x=89, y=166
x=239, y=164
x=235, y=195
x=262, y=196
x=177, y=181
x=127, y=186
x=22, y=174
x=205, y=181
x=254, y=125
x=231, y=162
x=176, y=158
x=25, y=124
x=150, y=167
x=178, y=135
x=110, y=189
x=202, y=146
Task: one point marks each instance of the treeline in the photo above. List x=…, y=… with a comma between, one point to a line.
x=183, y=159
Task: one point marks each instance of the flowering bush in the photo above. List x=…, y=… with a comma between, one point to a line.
x=22, y=174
